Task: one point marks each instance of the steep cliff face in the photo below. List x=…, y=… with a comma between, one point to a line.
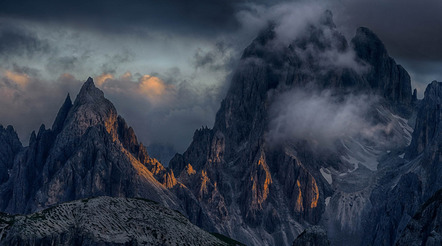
x=425, y=228
x=103, y=221
x=385, y=76
x=428, y=121
x=90, y=151
x=408, y=180
x=266, y=193
x=10, y=146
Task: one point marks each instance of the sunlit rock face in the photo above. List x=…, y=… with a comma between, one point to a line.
x=90, y=151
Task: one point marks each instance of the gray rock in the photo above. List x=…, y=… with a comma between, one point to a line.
x=10, y=146
x=428, y=122
x=266, y=195
x=385, y=76
x=89, y=152
x=103, y=221
x=403, y=187
x=426, y=226
x=312, y=236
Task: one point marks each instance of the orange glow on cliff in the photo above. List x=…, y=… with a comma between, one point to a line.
x=298, y=206
x=315, y=199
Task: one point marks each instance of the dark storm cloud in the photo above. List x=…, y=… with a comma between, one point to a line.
x=88, y=38
x=192, y=16
x=64, y=63
x=410, y=29
x=25, y=70
x=217, y=58
x=165, y=109
x=17, y=41
x=27, y=101
x=114, y=61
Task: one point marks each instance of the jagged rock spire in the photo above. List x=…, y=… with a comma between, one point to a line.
x=385, y=77
x=62, y=113
x=89, y=93
x=429, y=120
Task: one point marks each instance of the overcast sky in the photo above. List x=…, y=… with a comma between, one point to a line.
x=166, y=64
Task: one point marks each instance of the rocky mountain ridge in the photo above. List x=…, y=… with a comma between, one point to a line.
x=104, y=221
x=90, y=151
x=266, y=194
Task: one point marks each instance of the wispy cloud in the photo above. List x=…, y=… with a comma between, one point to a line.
x=321, y=118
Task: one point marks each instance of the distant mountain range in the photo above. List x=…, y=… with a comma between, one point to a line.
x=321, y=140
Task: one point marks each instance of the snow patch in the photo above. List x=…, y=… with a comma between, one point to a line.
x=326, y=174
x=327, y=200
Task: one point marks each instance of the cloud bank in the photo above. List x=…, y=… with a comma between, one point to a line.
x=161, y=110
x=48, y=49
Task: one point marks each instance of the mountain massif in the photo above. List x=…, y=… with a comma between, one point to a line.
x=318, y=140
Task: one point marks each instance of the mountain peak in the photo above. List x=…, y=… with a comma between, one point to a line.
x=434, y=92
x=89, y=82
x=89, y=92
x=62, y=113
x=428, y=122
x=386, y=77
x=90, y=108
x=327, y=19
x=367, y=38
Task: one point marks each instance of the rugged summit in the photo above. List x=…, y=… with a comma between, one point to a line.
x=386, y=77
x=90, y=151
x=265, y=194
x=428, y=121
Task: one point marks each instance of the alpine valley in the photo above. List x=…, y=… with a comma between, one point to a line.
x=319, y=141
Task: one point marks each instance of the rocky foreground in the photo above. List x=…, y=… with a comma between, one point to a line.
x=104, y=221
